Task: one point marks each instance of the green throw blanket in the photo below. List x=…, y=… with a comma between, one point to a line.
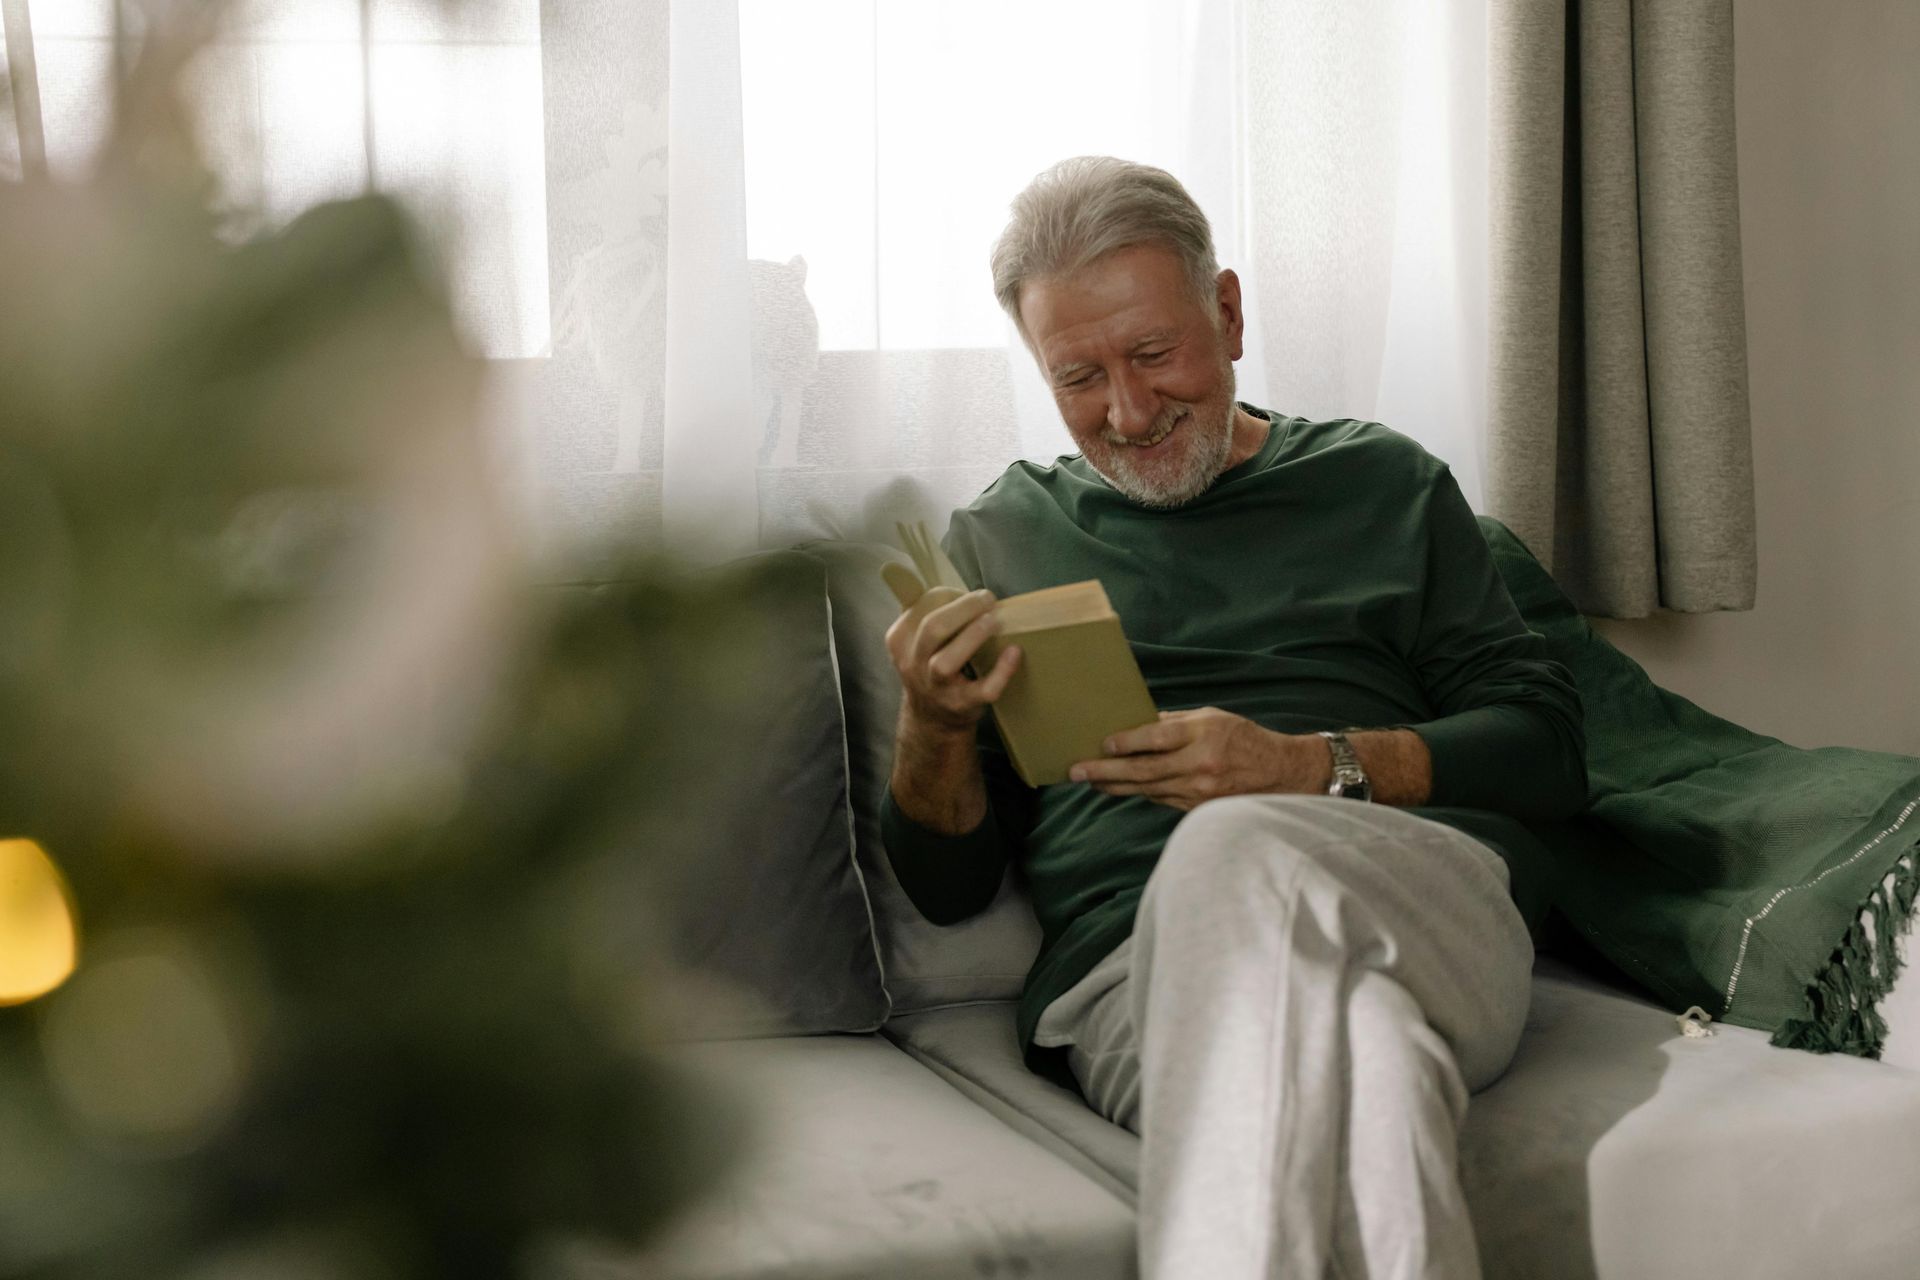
x=1718, y=867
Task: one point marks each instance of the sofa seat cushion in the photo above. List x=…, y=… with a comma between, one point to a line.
x=1617, y=1147
x=863, y=1163
x=1613, y=1147
x=974, y=1047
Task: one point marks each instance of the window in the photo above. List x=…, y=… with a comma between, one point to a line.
x=883, y=140
x=309, y=100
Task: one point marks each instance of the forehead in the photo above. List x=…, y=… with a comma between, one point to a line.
x=1130, y=294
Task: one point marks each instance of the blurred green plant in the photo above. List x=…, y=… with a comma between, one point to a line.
x=342, y=800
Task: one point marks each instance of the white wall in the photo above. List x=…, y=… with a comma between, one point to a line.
x=1828, y=111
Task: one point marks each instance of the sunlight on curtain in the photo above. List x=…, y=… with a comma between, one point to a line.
x=835, y=213
x=11, y=164
x=591, y=415
x=1338, y=150
x=73, y=51
x=884, y=142
x=882, y=146
x=1367, y=156
x=301, y=101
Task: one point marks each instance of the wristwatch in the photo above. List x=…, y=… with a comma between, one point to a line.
x=1349, y=779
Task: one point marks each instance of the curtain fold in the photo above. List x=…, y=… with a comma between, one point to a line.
x=1618, y=440
x=1366, y=162
x=768, y=232
x=594, y=423
x=23, y=85
x=870, y=390
x=708, y=479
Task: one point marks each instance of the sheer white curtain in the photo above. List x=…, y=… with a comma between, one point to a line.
x=300, y=101
x=883, y=145
x=730, y=255
x=1339, y=151
x=1367, y=146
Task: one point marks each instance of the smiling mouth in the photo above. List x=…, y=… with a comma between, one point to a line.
x=1149, y=442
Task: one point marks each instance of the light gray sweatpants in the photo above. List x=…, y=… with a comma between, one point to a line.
x=1312, y=988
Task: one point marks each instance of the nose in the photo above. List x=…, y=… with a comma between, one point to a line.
x=1132, y=406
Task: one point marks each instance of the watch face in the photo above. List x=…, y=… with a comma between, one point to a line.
x=1352, y=788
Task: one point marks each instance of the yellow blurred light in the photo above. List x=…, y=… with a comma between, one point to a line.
x=38, y=938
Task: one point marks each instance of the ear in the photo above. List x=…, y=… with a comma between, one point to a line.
x=799, y=265
x=1228, y=313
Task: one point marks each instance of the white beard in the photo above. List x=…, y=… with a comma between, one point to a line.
x=1179, y=480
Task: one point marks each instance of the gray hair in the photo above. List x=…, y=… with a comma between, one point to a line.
x=1082, y=209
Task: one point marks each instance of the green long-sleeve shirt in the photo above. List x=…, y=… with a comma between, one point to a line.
x=1335, y=579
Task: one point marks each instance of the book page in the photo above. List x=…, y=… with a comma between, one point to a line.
x=1054, y=607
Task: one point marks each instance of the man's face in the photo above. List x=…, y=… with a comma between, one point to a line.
x=1141, y=369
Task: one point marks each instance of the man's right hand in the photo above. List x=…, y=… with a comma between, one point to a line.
x=936, y=768
x=931, y=644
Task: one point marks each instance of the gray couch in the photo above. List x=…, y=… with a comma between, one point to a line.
x=897, y=1132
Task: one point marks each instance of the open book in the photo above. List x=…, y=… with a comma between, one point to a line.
x=1077, y=682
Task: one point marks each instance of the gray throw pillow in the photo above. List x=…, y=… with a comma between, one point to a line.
x=758, y=905
x=927, y=966
x=782, y=912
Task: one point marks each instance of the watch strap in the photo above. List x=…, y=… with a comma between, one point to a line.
x=1349, y=778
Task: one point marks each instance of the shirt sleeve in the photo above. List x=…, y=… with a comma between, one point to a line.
x=1508, y=736
x=951, y=877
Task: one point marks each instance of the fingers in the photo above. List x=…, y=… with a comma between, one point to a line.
x=1134, y=771
x=952, y=656
x=931, y=622
x=943, y=617
x=1177, y=760
x=906, y=627
x=1165, y=734
x=932, y=642
x=1181, y=788
x=952, y=614
x=1177, y=790
x=1146, y=754
x=995, y=682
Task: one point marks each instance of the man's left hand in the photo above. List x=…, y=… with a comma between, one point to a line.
x=1189, y=757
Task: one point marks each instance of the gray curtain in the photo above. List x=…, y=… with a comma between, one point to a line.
x=1618, y=440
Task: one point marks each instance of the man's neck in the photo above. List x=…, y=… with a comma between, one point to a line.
x=1249, y=433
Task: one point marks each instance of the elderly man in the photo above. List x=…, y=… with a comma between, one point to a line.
x=1280, y=948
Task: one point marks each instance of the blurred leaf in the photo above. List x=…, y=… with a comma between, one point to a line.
x=367, y=835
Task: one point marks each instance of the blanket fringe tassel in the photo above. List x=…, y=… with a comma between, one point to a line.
x=1841, y=1013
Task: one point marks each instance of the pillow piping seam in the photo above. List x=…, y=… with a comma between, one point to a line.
x=846, y=775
